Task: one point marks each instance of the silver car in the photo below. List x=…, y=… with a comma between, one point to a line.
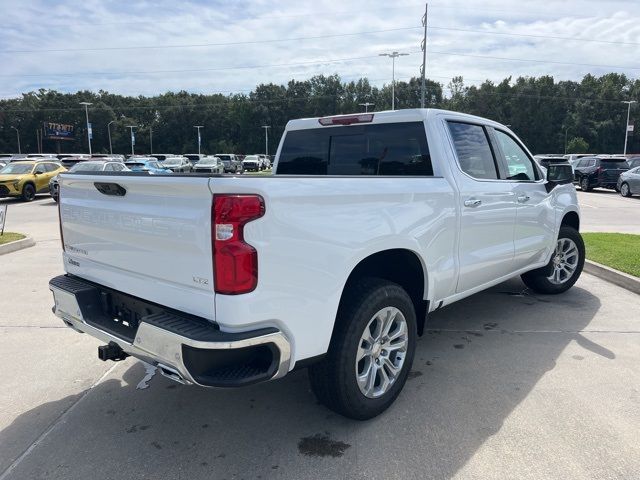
x=209, y=164
x=177, y=164
x=629, y=182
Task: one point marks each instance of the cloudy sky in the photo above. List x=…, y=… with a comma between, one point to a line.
x=144, y=48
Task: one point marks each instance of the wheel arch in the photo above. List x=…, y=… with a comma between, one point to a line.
x=571, y=219
x=400, y=265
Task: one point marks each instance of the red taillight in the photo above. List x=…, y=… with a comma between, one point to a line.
x=346, y=119
x=235, y=262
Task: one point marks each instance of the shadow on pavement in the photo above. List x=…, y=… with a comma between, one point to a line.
x=479, y=360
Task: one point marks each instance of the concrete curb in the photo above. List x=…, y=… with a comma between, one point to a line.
x=611, y=275
x=17, y=245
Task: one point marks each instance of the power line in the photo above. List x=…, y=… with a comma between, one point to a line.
x=551, y=37
x=153, y=72
x=201, y=45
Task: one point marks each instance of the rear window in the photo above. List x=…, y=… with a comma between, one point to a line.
x=614, y=163
x=382, y=149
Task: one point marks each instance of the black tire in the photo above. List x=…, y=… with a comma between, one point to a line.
x=584, y=184
x=333, y=380
x=625, y=191
x=538, y=280
x=55, y=199
x=28, y=192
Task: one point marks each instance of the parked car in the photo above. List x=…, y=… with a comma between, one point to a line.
x=177, y=164
x=232, y=164
x=335, y=274
x=266, y=162
x=146, y=164
x=2, y=163
x=194, y=157
x=594, y=172
x=629, y=182
x=108, y=156
x=89, y=166
x=69, y=160
x=163, y=156
x=252, y=163
x=633, y=162
x=27, y=178
x=574, y=157
x=209, y=164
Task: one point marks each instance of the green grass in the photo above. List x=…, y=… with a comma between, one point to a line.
x=10, y=237
x=616, y=250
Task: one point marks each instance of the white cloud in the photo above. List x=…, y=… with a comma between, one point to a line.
x=40, y=25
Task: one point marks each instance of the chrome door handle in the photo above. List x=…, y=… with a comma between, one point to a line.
x=472, y=202
x=523, y=198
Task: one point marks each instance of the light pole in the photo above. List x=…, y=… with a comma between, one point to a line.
x=133, y=137
x=151, y=139
x=626, y=127
x=18, y=137
x=566, y=132
x=393, y=55
x=109, y=131
x=199, y=137
x=366, y=106
x=266, y=139
x=86, y=112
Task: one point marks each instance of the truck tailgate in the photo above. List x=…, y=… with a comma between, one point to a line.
x=153, y=241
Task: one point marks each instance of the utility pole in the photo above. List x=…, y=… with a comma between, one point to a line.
x=366, y=106
x=86, y=112
x=151, y=139
x=266, y=139
x=566, y=131
x=423, y=86
x=18, y=137
x=393, y=56
x=199, y=137
x=133, y=137
x=626, y=127
x=109, y=131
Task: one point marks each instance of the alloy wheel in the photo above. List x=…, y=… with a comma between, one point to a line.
x=564, y=261
x=381, y=352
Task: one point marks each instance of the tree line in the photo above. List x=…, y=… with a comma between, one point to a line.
x=549, y=116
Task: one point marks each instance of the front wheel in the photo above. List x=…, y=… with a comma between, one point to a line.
x=625, y=191
x=371, y=351
x=564, y=268
x=28, y=192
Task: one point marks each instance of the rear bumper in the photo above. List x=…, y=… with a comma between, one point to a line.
x=187, y=349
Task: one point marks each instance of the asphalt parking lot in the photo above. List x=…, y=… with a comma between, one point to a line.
x=505, y=384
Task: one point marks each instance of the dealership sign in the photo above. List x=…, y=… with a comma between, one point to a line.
x=58, y=131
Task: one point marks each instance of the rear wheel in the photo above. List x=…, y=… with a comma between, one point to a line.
x=584, y=184
x=28, y=192
x=564, y=268
x=371, y=351
x=625, y=191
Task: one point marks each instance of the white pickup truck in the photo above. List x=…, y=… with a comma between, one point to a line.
x=370, y=222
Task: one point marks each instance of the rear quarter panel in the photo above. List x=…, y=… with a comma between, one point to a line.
x=317, y=229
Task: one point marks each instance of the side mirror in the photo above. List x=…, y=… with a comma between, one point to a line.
x=559, y=174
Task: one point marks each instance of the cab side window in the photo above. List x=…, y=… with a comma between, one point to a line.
x=40, y=168
x=519, y=165
x=473, y=150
